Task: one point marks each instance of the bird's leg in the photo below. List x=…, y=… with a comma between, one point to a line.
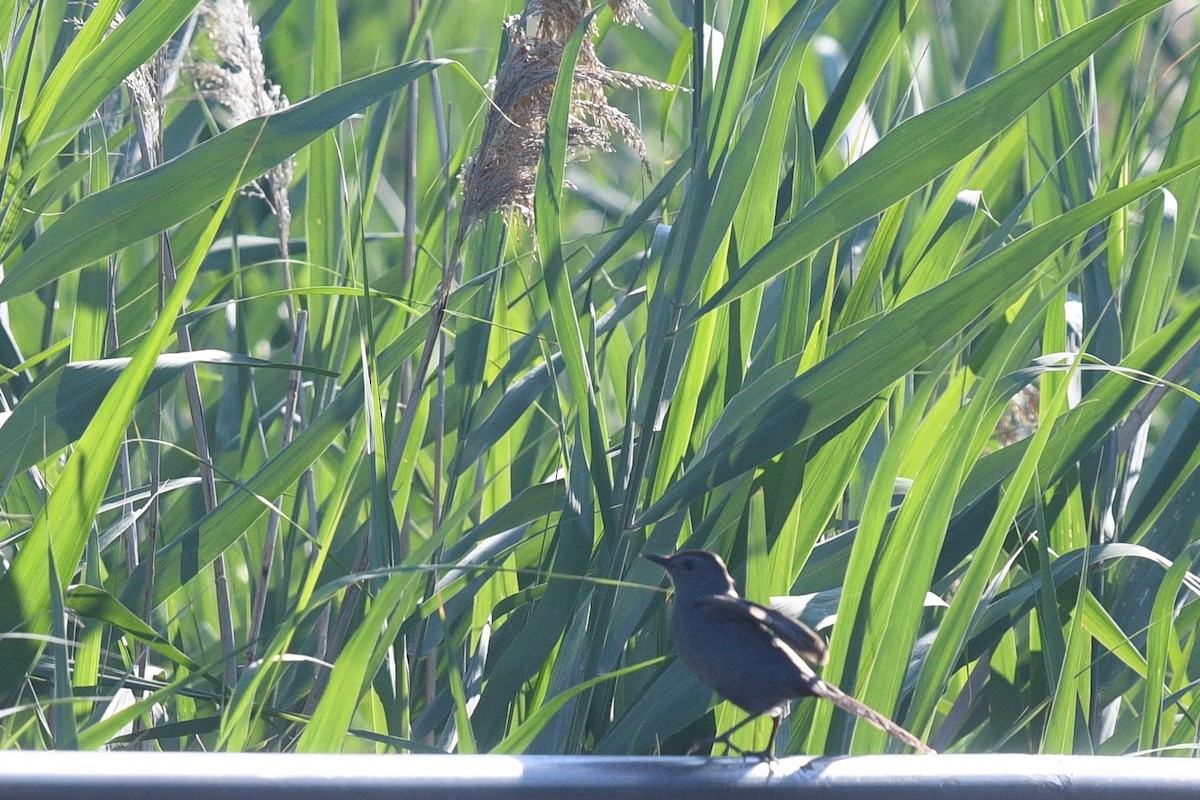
x=730, y=747
x=768, y=752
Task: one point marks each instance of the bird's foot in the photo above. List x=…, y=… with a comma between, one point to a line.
x=732, y=749
x=764, y=755
x=713, y=740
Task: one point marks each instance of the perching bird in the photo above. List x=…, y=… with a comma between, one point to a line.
x=755, y=657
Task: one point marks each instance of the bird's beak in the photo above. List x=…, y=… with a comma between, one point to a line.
x=662, y=561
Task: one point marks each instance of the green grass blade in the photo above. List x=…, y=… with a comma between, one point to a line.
x=557, y=284
x=91, y=601
x=61, y=405
x=152, y=202
x=520, y=738
x=1161, y=629
x=65, y=521
x=923, y=147
x=874, y=358
x=879, y=38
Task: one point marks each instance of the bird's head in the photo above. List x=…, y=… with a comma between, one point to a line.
x=695, y=573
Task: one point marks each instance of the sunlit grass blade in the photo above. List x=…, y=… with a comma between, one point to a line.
x=923, y=147
x=65, y=520
x=853, y=375
x=142, y=206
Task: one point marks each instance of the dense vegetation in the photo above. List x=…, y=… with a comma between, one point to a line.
x=892, y=303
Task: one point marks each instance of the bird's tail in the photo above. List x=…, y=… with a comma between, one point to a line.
x=847, y=703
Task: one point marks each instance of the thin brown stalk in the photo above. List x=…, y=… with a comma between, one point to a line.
x=447, y=208
x=208, y=480
x=270, y=544
x=146, y=88
x=409, y=265
x=234, y=79
x=151, y=124
x=455, y=272
x=341, y=629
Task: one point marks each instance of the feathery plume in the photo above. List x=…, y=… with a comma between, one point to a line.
x=233, y=77
x=503, y=171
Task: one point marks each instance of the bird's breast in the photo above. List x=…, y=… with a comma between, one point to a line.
x=739, y=658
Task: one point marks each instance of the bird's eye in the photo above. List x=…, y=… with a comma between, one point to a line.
x=689, y=564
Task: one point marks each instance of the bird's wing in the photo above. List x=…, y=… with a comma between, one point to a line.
x=806, y=642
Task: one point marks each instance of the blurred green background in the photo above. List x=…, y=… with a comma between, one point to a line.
x=898, y=314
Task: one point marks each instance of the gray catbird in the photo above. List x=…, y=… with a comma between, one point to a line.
x=755, y=657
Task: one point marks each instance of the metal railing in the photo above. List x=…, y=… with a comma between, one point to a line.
x=183, y=776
